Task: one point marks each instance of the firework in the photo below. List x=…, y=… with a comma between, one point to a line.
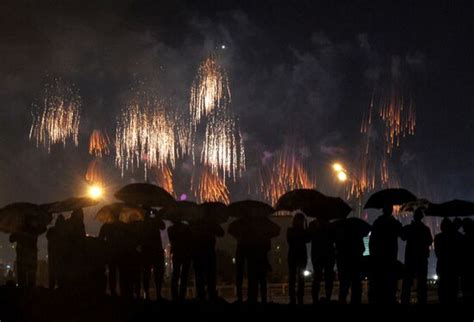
x=145, y=135
x=223, y=149
x=164, y=178
x=56, y=117
x=209, y=187
x=209, y=91
x=99, y=143
x=94, y=175
x=284, y=173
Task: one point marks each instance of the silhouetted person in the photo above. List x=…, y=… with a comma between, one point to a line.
x=237, y=230
x=74, y=240
x=322, y=257
x=113, y=236
x=152, y=255
x=26, y=257
x=349, y=241
x=204, y=258
x=467, y=277
x=259, y=232
x=448, y=244
x=179, y=237
x=55, y=252
x=128, y=259
x=95, y=280
x=383, y=245
x=297, y=237
x=419, y=239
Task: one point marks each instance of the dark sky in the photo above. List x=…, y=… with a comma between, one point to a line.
x=299, y=69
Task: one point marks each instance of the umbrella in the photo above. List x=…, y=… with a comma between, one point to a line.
x=414, y=205
x=353, y=224
x=299, y=199
x=120, y=211
x=214, y=211
x=145, y=194
x=453, y=208
x=24, y=216
x=71, y=204
x=389, y=197
x=329, y=208
x=181, y=211
x=251, y=208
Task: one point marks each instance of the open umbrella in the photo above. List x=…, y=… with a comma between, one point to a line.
x=71, y=204
x=120, y=211
x=453, y=208
x=389, y=197
x=216, y=212
x=181, y=211
x=414, y=205
x=23, y=216
x=299, y=199
x=145, y=194
x=250, y=208
x=328, y=208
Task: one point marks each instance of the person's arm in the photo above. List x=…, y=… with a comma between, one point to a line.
x=404, y=232
x=219, y=231
x=160, y=224
x=436, y=246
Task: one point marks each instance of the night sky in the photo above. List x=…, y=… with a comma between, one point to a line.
x=299, y=70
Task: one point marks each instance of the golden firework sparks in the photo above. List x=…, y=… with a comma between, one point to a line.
x=284, y=173
x=56, y=117
x=164, y=178
x=209, y=91
x=99, y=143
x=209, y=187
x=145, y=134
x=94, y=175
x=223, y=149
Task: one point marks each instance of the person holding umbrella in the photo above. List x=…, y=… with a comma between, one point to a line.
x=55, y=237
x=322, y=257
x=179, y=237
x=26, y=257
x=383, y=243
x=297, y=238
x=418, y=241
x=349, y=241
x=448, y=245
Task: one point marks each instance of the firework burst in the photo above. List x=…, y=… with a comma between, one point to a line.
x=223, y=149
x=209, y=91
x=209, y=187
x=164, y=178
x=94, y=174
x=56, y=117
x=99, y=143
x=284, y=173
x=145, y=135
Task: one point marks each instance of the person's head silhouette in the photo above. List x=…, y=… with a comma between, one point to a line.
x=299, y=220
x=418, y=215
x=387, y=210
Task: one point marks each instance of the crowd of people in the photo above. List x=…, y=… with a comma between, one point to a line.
x=124, y=257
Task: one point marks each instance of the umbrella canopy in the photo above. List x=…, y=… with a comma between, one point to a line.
x=414, y=205
x=71, y=204
x=299, y=199
x=181, y=211
x=145, y=194
x=250, y=208
x=328, y=208
x=389, y=197
x=453, y=208
x=120, y=211
x=216, y=212
x=24, y=216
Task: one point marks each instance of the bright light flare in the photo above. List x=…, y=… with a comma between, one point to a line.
x=337, y=167
x=342, y=176
x=95, y=192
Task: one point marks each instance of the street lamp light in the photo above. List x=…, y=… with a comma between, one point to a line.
x=337, y=167
x=342, y=176
x=95, y=192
